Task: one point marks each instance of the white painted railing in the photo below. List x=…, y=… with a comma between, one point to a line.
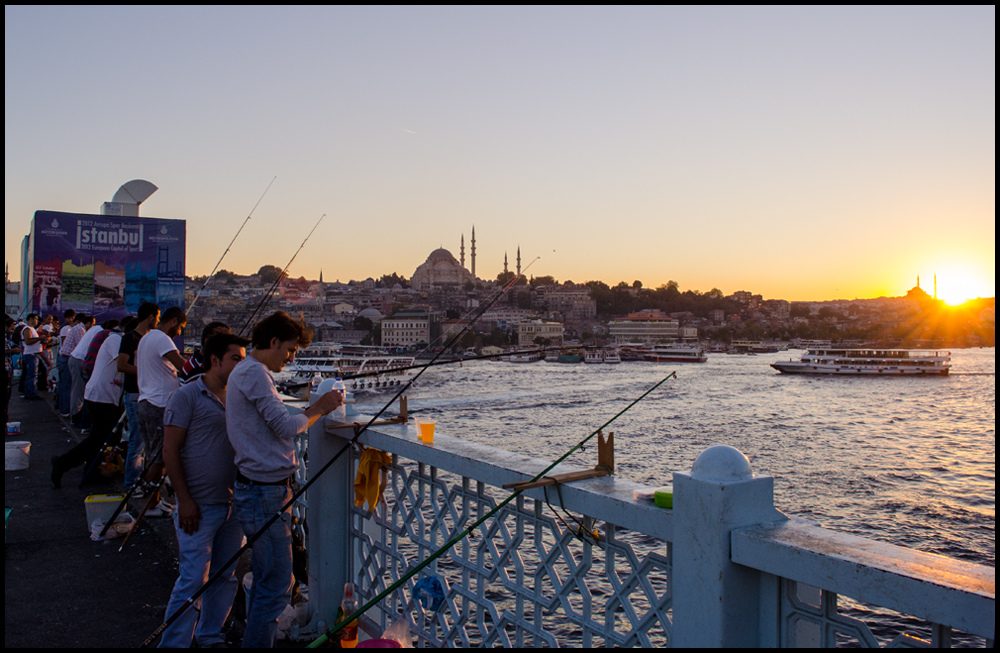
x=723, y=568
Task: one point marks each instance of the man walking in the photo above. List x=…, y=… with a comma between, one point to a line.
x=31, y=350
x=62, y=360
x=199, y=461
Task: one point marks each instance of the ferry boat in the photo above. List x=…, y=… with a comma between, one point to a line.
x=869, y=362
x=675, y=354
x=606, y=356
x=331, y=360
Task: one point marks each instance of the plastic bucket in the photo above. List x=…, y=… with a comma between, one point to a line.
x=17, y=455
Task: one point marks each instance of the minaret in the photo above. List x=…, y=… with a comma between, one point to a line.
x=518, y=260
x=505, y=262
x=935, y=285
x=918, y=281
x=321, y=275
x=461, y=252
x=473, y=251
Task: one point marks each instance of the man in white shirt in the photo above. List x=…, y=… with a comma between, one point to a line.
x=31, y=349
x=76, y=356
x=103, y=398
x=62, y=362
x=158, y=363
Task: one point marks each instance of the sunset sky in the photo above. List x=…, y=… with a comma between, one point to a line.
x=801, y=153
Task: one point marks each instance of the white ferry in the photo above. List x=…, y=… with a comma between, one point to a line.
x=869, y=362
x=331, y=360
x=675, y=354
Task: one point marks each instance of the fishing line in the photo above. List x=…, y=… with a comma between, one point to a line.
x=267, y=296
x=314, y=477
x=468, y=530
x=211, y=275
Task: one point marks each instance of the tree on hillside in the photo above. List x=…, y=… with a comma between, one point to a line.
x=268, y=274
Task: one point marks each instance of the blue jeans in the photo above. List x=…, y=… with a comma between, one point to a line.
x=30, y=375
x=272, y=559
x=65, y=383
x=201, y=555
x=133, y=468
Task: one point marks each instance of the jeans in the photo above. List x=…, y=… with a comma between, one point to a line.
x=200, y=556
x=105, y=418
x=77, y=386
x=65, y=384
x=133, y=466
x=272, y=559
x=30, y=375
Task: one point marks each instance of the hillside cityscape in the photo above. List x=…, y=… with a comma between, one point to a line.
x=441, y=295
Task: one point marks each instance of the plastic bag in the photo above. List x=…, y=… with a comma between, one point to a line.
x=121, y=527
x=398, y=631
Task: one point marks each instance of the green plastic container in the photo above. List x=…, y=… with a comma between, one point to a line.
x=664, y=498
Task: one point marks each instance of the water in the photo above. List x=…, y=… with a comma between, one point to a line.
x=910, y=461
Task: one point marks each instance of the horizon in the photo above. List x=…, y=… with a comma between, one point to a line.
x=800, y=153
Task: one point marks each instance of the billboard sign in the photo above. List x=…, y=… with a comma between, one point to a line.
x=105, y=265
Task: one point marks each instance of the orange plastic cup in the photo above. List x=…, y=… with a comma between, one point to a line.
x=427, y=431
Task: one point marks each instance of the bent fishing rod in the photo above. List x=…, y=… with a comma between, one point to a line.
x=274, y=286
x=458, y=537
x=211, y=275
x=319, y=473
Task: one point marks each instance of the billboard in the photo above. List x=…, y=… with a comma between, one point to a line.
x=104, y=265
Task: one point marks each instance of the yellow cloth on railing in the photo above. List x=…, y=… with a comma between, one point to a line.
x=370, y=480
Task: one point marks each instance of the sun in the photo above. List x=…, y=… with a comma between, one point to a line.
x=956, y=286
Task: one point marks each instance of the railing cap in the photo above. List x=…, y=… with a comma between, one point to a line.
x=721, y=463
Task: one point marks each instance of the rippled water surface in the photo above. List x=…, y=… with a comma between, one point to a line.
x=904, y=460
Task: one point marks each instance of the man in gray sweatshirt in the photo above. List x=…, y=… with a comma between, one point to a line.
x=262, y=433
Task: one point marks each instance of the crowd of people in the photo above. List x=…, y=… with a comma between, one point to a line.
x=214, y=423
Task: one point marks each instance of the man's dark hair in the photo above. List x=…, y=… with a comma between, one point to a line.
x=218, y=344
x=69, y=314
x=128, y=323
x=213, y=328
x=282, y=326
x=173, y=313
x=31, y=315
x=146, y=309
x=110, y=325
x=85, y=318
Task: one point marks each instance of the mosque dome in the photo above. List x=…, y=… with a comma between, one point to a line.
x=439, y=270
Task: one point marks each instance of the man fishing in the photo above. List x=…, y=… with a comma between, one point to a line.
x=263, y=433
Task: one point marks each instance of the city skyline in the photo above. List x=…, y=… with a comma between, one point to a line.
x=801, y=153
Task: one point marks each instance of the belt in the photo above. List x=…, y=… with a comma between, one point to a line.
x=249, y=481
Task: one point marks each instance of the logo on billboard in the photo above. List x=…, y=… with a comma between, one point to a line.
x=108, y=236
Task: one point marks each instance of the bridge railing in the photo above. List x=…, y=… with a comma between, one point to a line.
x=586, y=564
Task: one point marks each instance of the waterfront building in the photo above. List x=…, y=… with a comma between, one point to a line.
x=406, y=328
x=647, y=326
x=528, y=331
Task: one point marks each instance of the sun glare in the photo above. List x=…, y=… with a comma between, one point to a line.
x=955, y=287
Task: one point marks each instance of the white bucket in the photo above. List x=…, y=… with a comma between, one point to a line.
x=17, y=455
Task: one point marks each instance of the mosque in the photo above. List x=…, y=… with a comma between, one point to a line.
x=441, y=270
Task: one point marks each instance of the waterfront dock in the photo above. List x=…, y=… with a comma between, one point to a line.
x=62, y=590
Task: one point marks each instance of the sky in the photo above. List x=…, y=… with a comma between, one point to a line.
x=801, y=153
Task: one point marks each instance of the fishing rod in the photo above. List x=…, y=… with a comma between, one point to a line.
x=319, y=473
x=211, y=275
x=274, y=286
x=469, y=529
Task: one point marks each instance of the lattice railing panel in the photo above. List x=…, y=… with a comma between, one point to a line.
x=821, y=619
x=523, y=578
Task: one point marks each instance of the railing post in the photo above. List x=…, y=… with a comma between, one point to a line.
x=716, y=603
x=329, y=514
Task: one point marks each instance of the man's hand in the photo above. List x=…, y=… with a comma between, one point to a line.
x=329, y=402
x=188, y=515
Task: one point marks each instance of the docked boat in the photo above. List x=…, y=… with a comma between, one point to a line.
x=869, y=362
x=330, y=360
x=675, y=354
